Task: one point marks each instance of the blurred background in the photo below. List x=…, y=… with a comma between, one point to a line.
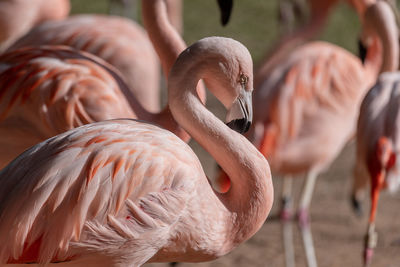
x=338, y=233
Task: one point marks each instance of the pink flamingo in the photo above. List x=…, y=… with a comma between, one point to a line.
x=134, y=192
x=305, y=109
x=378, y=148
x=18, y=17
x=48, y=90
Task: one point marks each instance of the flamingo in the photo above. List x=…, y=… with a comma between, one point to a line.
x=309, y=103
x=378, y=148
x=17, y=17
x=48, y=90
x=136, y=193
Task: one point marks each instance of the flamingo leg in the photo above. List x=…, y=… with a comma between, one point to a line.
x=286, y=219
x=304, y=218
x=371, y=240
x=371, y=237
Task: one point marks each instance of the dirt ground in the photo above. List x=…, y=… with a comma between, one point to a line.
x=338, y=234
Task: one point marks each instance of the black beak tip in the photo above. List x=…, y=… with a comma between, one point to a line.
x=241, y=125
x=362, y=51
x=225, y=7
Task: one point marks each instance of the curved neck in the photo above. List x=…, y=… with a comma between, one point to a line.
x=165, y=38
x=59, y=9
x=174, y=9
x=168, y=45
x=390, y=49
x=249, y=199
x=384, y=50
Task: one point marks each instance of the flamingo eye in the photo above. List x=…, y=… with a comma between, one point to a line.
x=243, y=79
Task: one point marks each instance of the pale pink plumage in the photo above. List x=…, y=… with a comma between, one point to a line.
x=17, y=17
x=311, y=98
x=123, y=192
x=119, y=41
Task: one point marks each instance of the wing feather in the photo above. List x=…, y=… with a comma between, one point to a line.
x=76, y=185
x=320, y=78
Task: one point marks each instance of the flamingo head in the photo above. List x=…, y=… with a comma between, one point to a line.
x=226, y=67
x=230, y=79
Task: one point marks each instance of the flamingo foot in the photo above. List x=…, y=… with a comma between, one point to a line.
x=286, y=213
x=371, y=240
x=368, y=253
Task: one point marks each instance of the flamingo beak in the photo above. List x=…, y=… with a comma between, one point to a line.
x=240, y=114
x=362, y=51
x=225, y=7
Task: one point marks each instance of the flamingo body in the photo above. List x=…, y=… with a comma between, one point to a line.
x=311, y=98
x=110, y=163
x=119, y=41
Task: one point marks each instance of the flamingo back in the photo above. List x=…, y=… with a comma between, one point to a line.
x=51, y=90
x=311, y=94
x=118, y=185
x=119, y=41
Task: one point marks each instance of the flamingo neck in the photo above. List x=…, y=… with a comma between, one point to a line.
x=164, y=37
x=168, y=45
x=250, y=196
x=57, y=11
x=384, y=53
